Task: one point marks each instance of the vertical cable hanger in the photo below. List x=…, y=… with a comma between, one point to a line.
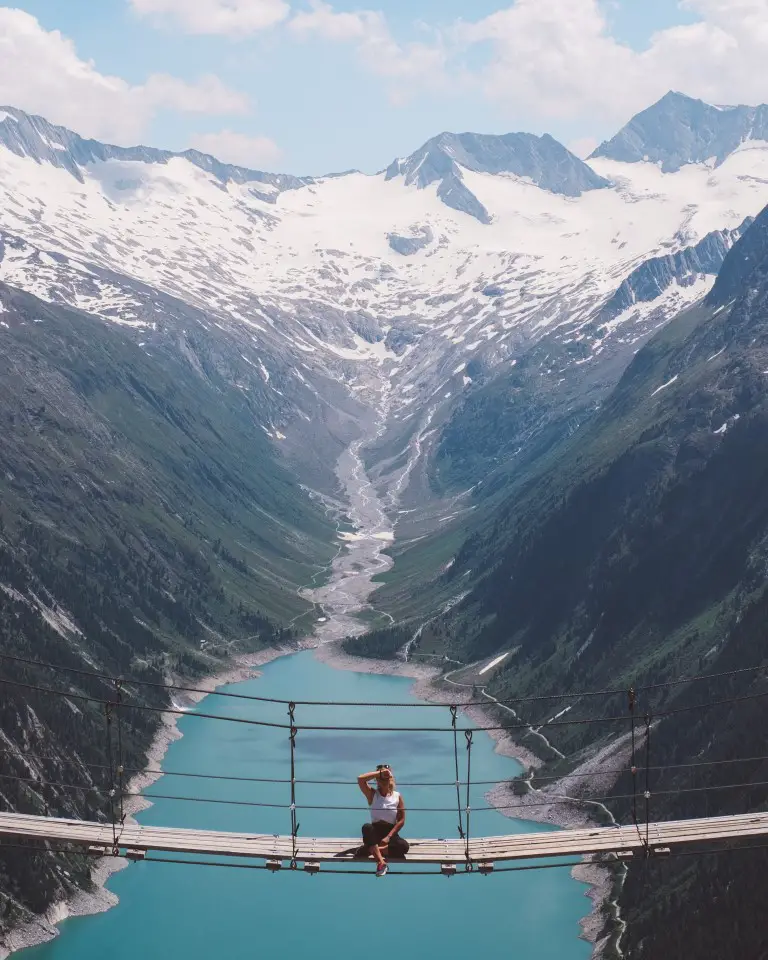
x=111, y=776
x=294, y=824
x=647, y=781
x=454, y=713
x=468, y=736
x=120, y=759
x=633, y=757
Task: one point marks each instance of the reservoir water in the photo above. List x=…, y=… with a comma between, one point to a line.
x=184, y=912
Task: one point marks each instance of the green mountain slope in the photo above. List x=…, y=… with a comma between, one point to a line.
x=634, y=552
x=146, y=527
x=640, y=554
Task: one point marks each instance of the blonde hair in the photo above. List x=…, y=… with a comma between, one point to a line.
x=391, y=782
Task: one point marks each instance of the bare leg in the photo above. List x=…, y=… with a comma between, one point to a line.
x=376, y=852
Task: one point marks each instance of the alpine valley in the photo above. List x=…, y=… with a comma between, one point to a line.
x=493, y=402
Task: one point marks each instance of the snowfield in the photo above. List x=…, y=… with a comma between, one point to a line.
x=176, y=228
x=307, y=273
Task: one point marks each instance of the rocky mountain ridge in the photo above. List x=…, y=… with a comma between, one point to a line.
x=388, y=289
x=681, y=130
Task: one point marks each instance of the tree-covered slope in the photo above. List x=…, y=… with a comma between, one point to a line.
x=638, y=553
x=634, y=552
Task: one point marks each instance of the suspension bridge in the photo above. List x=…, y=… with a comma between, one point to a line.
x=117, y=835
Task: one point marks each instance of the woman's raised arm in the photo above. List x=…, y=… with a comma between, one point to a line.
x=367, y=789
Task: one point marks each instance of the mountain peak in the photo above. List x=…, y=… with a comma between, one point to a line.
x=543, y=160
x=678, y=130
x=27, y=135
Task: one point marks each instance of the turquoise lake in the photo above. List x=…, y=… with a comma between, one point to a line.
x=184, y=912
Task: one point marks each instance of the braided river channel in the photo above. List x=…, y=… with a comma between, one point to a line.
x=187, y=912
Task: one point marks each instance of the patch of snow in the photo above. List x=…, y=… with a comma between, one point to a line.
x=13, y=594
x=493, y=663
x=665, y=385
x=58, y=619
x=558, y=715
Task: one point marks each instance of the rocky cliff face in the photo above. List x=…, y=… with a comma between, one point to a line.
x=650, y=280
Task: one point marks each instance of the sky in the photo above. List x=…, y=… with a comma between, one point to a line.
x=321, y=86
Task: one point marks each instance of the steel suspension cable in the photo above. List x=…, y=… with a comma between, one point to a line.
x=680, y=681
x=178, y=688
x=62, y=851
x=141, y=707
x=587, y=721
x=557, y=800
x=156, y=771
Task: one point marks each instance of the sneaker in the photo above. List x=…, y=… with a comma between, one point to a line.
x=381, y=870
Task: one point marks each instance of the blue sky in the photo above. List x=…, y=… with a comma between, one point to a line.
x=320, y=102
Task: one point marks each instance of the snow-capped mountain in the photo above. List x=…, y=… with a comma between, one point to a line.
x=679, y=130
x=542, y=160
x=464, y=254
x=35, y=137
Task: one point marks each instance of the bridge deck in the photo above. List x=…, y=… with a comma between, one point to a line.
x=522, y=846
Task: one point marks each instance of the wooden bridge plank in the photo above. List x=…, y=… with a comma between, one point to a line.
x=505, y=848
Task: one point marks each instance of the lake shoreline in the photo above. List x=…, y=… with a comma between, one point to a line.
x=598, y=879
x=41, y=928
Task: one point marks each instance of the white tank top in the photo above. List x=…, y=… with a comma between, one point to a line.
x=385, y=808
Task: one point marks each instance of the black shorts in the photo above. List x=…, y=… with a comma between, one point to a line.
x=374, y=833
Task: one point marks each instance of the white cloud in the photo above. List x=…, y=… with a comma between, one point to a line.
x=402, y=64
x=41, y=72
x=558, y=58
x=239, y=148
x=226, y=17
x=207, y=95
x=322, y=20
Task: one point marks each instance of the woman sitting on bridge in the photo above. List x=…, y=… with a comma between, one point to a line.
x=381, y=837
